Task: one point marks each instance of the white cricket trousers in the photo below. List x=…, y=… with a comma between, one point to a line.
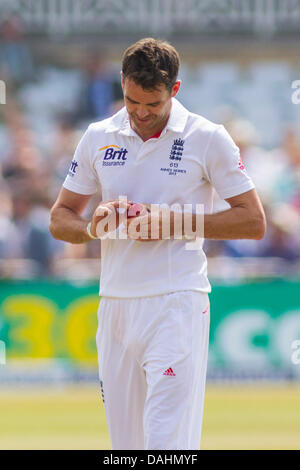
x=152, y=354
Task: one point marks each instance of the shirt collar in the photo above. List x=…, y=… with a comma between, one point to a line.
x=178, y=117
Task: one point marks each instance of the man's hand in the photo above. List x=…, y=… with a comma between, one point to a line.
x=106, y=218
x=146, y=227
x=161, y=223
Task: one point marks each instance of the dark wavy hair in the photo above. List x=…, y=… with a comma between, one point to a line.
x=151, y=63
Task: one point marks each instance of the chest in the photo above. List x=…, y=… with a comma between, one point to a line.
x=151, y=170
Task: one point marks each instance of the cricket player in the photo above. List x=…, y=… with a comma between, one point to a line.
x=153, y=318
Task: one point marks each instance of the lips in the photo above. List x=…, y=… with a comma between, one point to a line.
x=144, y=120
x=147, y=119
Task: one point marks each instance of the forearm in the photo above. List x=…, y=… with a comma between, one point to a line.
x=244, y=220
x=68, y=226
x=232, y=224
x=235, y=223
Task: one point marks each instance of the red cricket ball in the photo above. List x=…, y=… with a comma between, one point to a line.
x=135, y=210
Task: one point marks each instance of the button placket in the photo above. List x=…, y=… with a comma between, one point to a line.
x=145, y=148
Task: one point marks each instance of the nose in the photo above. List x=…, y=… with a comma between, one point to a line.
x=142, y=112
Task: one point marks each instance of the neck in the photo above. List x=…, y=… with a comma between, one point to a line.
x=148, y=134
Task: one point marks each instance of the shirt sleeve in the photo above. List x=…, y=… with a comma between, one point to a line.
x=82, y=177
x=225, y=169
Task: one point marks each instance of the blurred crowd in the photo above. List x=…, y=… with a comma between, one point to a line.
x=48, y=108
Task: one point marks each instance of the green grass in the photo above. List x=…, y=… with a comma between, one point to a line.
x=252, y=417
x=244, y=417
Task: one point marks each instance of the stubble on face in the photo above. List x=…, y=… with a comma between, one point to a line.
x=152, y=124
x=139, y=104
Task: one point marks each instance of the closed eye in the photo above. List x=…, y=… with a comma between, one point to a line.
x=156, y=103
x=131, y=101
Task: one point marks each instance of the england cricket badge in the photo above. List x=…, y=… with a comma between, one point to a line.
x=177, y=150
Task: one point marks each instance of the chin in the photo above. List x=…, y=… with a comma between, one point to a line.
x=149, y=122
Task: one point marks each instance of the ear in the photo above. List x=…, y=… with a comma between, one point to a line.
x=175, y=88
x=122, y=79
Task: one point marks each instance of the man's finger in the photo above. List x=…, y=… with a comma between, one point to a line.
x=102, y=211
x=142, y=219
x=120, y=203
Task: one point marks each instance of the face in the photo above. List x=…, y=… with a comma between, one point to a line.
x=148, y=109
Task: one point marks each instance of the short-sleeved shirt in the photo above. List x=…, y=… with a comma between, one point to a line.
x=190, y=159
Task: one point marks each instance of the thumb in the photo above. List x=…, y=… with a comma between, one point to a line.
x=102, y=211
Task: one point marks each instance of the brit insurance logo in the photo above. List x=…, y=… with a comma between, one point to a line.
x=114, y=155
x=73, y=168
x=175, y=157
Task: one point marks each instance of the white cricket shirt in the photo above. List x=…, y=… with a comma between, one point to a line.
x=191, y=158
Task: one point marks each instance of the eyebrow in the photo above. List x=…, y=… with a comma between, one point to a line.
x=136, y=102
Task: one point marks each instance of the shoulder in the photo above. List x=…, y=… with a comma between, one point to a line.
x=202, y=125
x=107, y=125
x=215, y=135
x=191, y=124
x=99, y=126
x=202, y=132
x=196, y=123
